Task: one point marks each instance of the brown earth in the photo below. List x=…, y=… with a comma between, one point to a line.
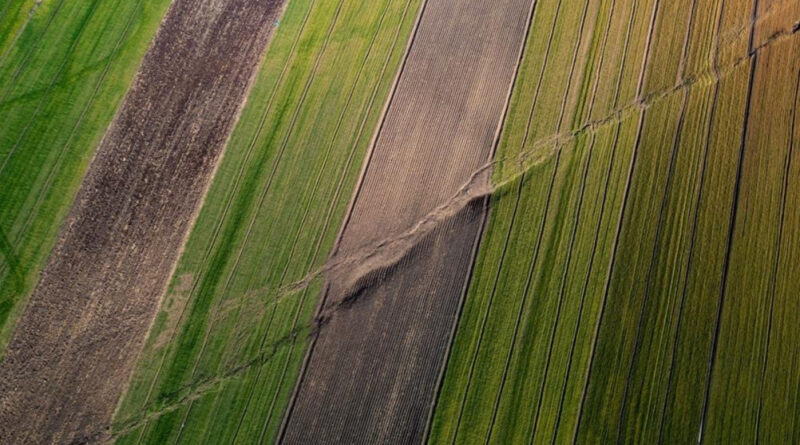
x=74, y=346
x=372, y=370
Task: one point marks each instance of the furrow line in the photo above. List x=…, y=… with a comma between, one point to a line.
x=726, y=267
x=524, y=300
x=11, y=260
x=690, y=263
x=585, y=288
x=561, y=292
x=600, y=62
x=541, y=76
x=647, y=52
x=687, y=38
x=754, y=24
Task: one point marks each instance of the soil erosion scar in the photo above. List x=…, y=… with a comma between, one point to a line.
x=71, y=353
x=371, y=372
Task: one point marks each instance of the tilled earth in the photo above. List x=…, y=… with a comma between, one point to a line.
x=75, y=344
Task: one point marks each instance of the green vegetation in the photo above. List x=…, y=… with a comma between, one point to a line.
x=64, y=69
x=223, y=355
x=633, y=283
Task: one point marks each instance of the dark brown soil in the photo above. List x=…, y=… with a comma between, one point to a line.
x=74, y=346
x=372, y=371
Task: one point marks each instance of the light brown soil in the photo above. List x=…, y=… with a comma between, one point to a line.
x=372, y=371
x=73, y=349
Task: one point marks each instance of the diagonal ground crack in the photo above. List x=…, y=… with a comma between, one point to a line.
x=350, y=269
x=355, y=272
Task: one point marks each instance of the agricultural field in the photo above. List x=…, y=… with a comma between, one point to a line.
x=399, y=221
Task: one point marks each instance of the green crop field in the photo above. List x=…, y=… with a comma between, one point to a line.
x=64, y=68
x=633, y=279
x=222, y=358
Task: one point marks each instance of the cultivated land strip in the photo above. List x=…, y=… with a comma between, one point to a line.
x=77, y=338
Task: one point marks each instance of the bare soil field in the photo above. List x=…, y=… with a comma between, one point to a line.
x=73, y=349
x=372, y=370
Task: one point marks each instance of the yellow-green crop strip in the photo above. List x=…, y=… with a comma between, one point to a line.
x=632, y=285
x=64, y=68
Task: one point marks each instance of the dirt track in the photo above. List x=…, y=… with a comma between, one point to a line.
x=372, y=371
x=73, y=348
